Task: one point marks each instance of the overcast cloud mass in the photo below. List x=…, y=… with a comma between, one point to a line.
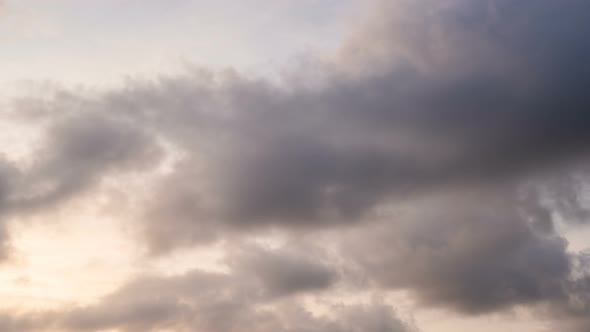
x=439, y=151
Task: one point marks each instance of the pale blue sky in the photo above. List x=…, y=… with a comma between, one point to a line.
x=99, y=42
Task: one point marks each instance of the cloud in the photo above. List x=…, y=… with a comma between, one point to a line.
x=468, y=102
x=81, y=149
x=24, y=322
x=474, y=252
x=284, y=273
x=7, y=175
x=451, y=94
x=473, y=97
x=218, y=302
x=78, y=151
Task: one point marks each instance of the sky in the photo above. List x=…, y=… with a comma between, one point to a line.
x=294, y=166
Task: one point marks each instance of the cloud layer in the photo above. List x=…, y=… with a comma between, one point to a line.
x=250, y=297
x=424, y=152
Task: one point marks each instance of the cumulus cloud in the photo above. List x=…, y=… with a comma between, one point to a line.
x=469, y=93
x=78, y=151
x=474, y=252
x=284, y=273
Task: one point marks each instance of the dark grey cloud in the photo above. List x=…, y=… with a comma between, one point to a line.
x=476, y=252
x=468, y=93
x=475, y=98
x=76, y=153
x=282, y=273
x=80, y=149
